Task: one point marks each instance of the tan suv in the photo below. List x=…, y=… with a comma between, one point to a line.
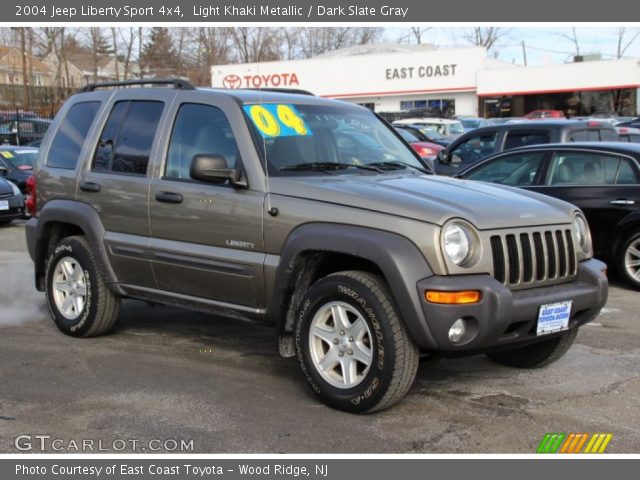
x=308, y=213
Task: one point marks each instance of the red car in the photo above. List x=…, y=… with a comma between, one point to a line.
x=424, y=149
x=539, y=114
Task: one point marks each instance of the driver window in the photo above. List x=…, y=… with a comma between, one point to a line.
x=477, y=147
x=199, y=129
x=518, y=170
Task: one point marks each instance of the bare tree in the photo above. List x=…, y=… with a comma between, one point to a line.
x=487, y=37
x=415, y=34
x=318, y=40
x=626, y=37
x=128, y=37
x=99, y=47
x=573, y=38
x=114, y=41
x=212, y=48
x=256, y=44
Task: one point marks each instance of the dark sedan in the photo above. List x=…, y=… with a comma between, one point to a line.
x=603, y=179
x=11, y=202
x=16, y=164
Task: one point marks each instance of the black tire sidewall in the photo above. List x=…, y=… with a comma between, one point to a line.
x=371, y=390
x=70, y=247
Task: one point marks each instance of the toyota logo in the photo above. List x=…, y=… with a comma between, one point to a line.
x=232, y=81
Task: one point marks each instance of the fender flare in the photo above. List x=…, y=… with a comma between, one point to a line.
x=399, y=260
x=75, y=213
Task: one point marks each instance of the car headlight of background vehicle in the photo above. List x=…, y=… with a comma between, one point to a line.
x=583, y=235
x=458, y=243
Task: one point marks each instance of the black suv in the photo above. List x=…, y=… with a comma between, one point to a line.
x=483, y=142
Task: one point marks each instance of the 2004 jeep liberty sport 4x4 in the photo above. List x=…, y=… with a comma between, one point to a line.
x=310, y=213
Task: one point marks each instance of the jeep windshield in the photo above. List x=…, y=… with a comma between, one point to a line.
x=327, y=139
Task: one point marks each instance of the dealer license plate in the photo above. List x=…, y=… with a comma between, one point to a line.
x=4, y=204
x=554, y=317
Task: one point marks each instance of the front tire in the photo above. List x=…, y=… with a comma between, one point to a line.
x=80, y=302
x=628, y=261
x=538, y=354
x=352, y=348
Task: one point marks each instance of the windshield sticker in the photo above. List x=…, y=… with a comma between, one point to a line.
x=277, y=120
x=6, y=154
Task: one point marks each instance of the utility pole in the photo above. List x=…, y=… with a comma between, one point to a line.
x=524, y=53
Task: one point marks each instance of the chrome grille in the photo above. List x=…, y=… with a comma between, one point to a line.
x=531, y=258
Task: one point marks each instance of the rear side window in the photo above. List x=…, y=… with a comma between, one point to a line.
x=579, y=136
x=523, y=138
x=67, y=143
x=127, y=137
x=589, y=168
x=626, y=173
x=608, y=135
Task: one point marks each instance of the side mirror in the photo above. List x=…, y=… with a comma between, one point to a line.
x=212, y=168
x=442, y=156
x=3, y=170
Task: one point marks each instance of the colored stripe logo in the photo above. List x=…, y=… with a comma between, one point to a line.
x=574, y=443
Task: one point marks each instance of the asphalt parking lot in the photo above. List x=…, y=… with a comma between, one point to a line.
x=166, y=373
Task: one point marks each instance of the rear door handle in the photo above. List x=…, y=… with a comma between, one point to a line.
x=622, y=201
x=169, y=197
x=90, y=187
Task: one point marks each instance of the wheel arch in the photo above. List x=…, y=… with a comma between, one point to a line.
x=62, y=218
x=315, y=250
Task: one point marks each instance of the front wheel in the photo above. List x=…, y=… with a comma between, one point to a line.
x=538, y=354
x=352, y=348
x=80, y=301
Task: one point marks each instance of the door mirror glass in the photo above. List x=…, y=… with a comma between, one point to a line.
x=212, y=168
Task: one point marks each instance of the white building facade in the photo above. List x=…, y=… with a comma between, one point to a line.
x=455, y=81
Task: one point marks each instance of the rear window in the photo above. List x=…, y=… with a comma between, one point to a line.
x=523, y=138
x=67, y=143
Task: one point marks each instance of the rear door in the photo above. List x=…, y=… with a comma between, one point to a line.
x=116, y=182
x=207, y=238
x=604, y=185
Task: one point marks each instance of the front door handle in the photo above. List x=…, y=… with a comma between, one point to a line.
x=622, y=201
x=169, y=197
x=90, y=187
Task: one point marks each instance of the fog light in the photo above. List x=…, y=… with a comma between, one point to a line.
x=457, y=331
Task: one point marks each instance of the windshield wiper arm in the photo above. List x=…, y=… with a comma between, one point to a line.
x=398, y=164
x=329, y=166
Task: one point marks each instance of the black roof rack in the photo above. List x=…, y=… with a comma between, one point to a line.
x=297, y=91
x=178, y=84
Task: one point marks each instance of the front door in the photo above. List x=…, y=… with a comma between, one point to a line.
x=207, y=238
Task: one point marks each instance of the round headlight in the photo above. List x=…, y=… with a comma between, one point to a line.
x=583, y=231
x=457, y=241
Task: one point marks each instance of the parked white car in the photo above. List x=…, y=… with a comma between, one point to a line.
x=444, y=126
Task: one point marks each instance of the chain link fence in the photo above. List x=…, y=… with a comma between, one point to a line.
x=24, y=127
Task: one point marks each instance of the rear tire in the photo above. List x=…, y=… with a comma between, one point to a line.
x=538, y=354
x=352, y=347
x=80, y=301
x=628, y=260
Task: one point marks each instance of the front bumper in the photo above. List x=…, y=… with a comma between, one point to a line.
x=505, y=318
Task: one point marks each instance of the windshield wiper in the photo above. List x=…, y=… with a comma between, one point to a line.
x=397, y=165
x=330, y=166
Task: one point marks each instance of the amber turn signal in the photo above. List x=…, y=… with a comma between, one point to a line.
x=453, y=298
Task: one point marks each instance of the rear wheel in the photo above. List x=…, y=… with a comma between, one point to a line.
x=538, y=354
x=81, y=303
x=352, y=348
x=629, y=260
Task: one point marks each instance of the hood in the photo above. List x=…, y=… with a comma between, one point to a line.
x=431, y=199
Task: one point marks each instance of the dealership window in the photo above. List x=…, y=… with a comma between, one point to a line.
x=370, y=106
x=444, y=107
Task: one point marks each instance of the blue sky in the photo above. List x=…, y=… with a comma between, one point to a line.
x=543, y=44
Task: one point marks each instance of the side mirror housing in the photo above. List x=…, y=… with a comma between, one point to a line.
x=3, y=170
x=213, y=168
x=442, y=156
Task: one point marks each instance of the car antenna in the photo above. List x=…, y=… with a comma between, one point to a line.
x=271, y=210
